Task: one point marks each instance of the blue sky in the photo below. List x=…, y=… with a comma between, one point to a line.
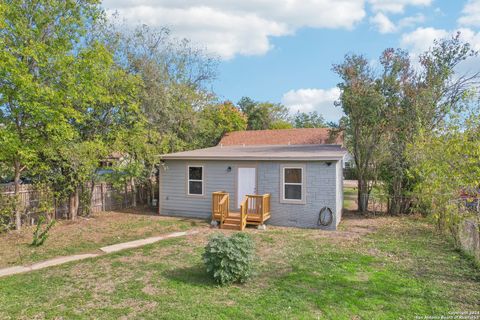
x=283, y=50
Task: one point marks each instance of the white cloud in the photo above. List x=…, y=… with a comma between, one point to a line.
x=383, y=23
x=422, y=39
x=320, y=100
x=228, y=28
x=396, y=6
x=470, y=14
x=411, y=21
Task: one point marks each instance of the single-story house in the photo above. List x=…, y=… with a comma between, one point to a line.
x=285, y=184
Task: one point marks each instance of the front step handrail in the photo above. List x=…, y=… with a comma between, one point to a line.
x=243, y=213
x=223, y=206
x=217, y=196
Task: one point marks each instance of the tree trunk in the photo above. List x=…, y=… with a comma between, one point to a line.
x=16, y=181
x=77, y=202
x=92, y=190
x=151, y=194
x=363, y=195
x=134, y=192
x=73, y=207
x=125, y=196
x=396, y=201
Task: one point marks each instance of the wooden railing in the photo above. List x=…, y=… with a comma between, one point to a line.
x=259, y=205
x=243, y=213
x=223, y=206
x=216, y=198
x=266, y=205
x=254, y=209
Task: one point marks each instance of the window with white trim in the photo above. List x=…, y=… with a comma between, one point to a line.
x=293, y=183
x=195, y=180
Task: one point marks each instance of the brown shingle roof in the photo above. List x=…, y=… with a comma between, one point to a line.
x=282, y=136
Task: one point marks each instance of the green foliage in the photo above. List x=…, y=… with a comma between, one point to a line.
x=39, y=235
x=230, y=259
x=262, y=115
x=418, y=99
x=386, y=111
x=446, y=163
x=216, y=120
x=363, y=104
x=308, y=120
x=60, y=92
x=7, y=211
x=280, y=124
x=172, y=93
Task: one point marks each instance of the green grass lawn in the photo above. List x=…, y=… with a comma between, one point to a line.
x=377, y=196
x=86, y=235
x=350, y=198
x=378, y=268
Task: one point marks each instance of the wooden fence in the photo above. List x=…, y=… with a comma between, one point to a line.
x=104, y=198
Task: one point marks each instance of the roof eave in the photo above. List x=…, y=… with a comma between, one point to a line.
x=316, y=158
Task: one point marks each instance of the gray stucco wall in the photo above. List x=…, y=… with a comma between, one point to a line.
x=322, y=188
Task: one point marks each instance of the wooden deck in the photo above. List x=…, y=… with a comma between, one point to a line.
x=254, y=210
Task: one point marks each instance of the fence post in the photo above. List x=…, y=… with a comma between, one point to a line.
x=102, y=195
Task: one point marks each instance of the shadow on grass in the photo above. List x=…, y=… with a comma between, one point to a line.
x=141, y=210
x=356, y=215
x=152, y=212
x=195, y=275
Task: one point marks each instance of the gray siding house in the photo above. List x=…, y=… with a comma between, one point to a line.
x=300, y=180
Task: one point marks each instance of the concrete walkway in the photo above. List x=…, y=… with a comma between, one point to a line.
x=104, y=250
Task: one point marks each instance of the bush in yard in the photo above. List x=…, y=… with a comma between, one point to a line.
x=7, y=211
x=229, y=259
x=40, y=236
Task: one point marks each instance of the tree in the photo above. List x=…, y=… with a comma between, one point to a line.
x=280, y=124
x=308, y=120
x=385, y=112
x=216, y=120
x=41, y=41
x=418, y=100
x=398, y=89
x=174, y=77
x=263, y=115
x=446, y=163
x=108, y=115
x=364, y=124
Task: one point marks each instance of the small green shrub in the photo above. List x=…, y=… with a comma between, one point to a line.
x=231, y=259
x=39, y=236
x=7, y=211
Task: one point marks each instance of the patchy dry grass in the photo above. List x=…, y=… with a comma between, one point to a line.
x=350, y=197
x=373, y=268
x=86, y=235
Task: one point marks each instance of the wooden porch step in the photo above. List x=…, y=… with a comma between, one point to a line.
x=232, y=222
x=231, y=226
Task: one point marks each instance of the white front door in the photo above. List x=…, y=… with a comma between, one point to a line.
x=246, y=183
